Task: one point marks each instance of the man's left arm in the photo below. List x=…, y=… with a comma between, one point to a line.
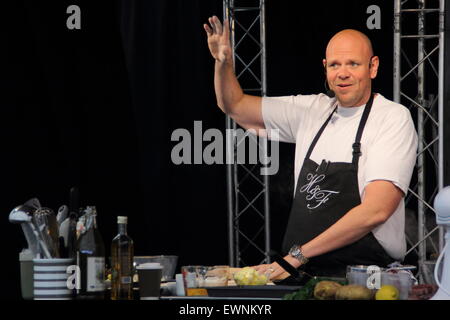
x=380, y=201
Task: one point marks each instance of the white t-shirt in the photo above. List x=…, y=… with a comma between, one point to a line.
x=388, y=146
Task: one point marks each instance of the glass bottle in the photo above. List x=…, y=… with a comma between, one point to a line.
x=122, y=251
x=91, y=258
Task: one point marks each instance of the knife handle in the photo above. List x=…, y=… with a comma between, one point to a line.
x=284, y=264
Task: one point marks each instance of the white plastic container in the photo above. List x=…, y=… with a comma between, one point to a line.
x=401, y=280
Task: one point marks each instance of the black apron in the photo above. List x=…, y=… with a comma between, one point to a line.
x=324, y=194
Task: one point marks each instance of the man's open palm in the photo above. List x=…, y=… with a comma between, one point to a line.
x=219, y=39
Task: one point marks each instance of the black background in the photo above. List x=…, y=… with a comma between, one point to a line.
x=96, y=107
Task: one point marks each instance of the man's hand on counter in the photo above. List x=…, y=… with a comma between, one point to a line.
x=275, y=270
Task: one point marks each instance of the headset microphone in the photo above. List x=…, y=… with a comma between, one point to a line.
x=330, y=93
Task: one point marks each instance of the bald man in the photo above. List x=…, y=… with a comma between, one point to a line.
x=354, y=157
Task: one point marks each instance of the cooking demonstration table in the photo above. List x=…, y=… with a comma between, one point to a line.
x=262, y=292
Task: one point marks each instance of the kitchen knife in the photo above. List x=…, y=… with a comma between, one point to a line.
x=74, y=201
x=72, y=236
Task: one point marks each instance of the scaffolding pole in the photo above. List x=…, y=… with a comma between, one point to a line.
x=421, y=102
x=247, y=25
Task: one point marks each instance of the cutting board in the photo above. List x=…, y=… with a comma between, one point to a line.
x=267, y=291
x=234, y=270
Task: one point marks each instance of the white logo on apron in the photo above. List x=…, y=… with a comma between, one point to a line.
x=315, y=193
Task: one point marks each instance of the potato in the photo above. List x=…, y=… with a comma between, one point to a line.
x=249, y=277
x=353, y=292
x=326, y=290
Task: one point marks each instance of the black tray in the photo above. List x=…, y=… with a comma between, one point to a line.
x=267, y=291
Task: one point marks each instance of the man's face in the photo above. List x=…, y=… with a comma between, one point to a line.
x=350, y=68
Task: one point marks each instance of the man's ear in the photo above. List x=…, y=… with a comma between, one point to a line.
x=374, y=64
x=324, y=62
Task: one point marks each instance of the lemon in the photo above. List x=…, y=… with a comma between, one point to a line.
x=387, y=292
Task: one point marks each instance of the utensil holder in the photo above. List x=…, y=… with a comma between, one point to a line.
x=50, y=279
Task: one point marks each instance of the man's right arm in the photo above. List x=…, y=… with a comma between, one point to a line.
x=245, y=109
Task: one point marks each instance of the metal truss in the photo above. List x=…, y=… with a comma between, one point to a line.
x=418, y=84
x=247, y=190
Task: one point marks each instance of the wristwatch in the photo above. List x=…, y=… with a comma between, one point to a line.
x=296, y=252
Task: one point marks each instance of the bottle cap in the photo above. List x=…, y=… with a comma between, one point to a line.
x=122, y=219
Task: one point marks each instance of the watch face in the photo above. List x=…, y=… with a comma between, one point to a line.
x=295, y=251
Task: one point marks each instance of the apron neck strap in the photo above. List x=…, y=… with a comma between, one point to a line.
x=357, y=144
x=316, y=138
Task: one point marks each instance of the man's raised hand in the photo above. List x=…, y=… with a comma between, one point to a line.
x=219, y=39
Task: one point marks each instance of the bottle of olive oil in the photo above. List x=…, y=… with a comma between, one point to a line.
x=91, y=257
x=122, y=251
